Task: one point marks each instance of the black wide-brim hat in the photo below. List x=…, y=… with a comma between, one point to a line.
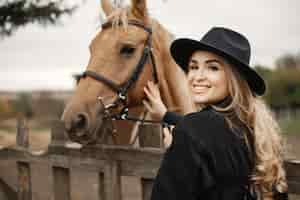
x=230, y=45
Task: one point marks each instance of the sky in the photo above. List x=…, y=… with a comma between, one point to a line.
x=36, y=57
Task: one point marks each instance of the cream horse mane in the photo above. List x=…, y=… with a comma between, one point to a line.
x=172, y=80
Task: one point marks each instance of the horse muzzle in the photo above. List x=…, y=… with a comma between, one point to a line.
x=81, y=125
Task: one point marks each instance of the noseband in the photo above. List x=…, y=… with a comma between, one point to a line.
x=122, y=89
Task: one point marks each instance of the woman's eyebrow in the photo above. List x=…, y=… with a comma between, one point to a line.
x=193, y=61
x=213, y=60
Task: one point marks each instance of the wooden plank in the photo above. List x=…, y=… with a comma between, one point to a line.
x=112, y=181
x=101, y=186
x=294, y=187
x=142, y=162
x=24, y=186
x=6, y=192
x=66, y=161
x=61, y=178
x=147, y=185
x=110, y=152
x=293, y=168
x=41, y=181
x=293, y=175
x=9, y=174
x=84, y=184
x=58, y=136
x=132, y=162
x=131, y=188
x=294, y=197
x=138, y=168
x=150, y=135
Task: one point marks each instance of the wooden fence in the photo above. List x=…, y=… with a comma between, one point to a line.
x=66, y=172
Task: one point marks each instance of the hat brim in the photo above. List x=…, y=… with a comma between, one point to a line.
x=182, y=50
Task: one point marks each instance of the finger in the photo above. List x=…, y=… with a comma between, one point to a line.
x=150, y=87
x=153, y=88
x=148, y=94
x=147, y=105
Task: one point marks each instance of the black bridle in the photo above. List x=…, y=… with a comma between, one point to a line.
x=122, y=89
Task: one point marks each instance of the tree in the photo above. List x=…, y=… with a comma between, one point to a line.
x=284, y=88
x=23, y=104
x=46, y=106
x=264, y=71
x=287, y=61
x=17, y=13
x=4, y=106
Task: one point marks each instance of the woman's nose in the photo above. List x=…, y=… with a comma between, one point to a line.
x=200, y=74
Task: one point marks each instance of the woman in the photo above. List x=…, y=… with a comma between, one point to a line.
x=231, y=147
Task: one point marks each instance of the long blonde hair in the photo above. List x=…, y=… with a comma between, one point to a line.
x=268, y=144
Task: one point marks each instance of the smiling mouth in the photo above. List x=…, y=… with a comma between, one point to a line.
x=200, y=88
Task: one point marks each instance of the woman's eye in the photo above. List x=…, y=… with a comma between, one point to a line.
x=193, y=67
x=127, y=50
x=213, y=68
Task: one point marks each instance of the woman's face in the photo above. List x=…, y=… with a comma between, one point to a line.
x=207, y=78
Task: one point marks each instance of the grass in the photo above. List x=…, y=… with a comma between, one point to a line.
x=34, y=125
x=290, y=126
x=8, y=129
x=13, y=130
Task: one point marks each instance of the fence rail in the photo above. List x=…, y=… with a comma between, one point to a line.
x=62, y=172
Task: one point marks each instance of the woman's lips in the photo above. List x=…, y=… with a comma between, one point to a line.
x=200, y=88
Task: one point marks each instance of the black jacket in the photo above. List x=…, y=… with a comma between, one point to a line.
x=172, y=118
x=206, y=160
x=235, y=151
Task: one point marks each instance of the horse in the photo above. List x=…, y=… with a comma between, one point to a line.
x=124, y=56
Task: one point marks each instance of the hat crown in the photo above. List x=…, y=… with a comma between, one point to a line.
x=229, y=41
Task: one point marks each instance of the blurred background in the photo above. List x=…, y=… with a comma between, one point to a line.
x=44, y=44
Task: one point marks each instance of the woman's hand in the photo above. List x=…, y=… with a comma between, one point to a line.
x=167, y=138
x=154, y=105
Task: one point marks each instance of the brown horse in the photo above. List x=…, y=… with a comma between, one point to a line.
x=116, y=53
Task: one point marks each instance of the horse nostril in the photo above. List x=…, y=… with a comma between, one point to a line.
x=81, y=121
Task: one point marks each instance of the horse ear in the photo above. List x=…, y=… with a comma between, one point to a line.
x=139, y=8
x=107, y=7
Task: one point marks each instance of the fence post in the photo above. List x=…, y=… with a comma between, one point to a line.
x=112, y=181
x=150, y=135
x=58, y=136
x=22, y=138
x=24, y=185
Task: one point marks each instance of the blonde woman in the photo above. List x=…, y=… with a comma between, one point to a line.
x=231, y=149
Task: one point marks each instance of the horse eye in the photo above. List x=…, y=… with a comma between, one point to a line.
x=127, y=50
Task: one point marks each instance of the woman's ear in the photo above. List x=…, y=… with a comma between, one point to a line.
x=139, y=8
x=107, y=7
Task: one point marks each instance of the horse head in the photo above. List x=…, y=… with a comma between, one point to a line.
x=123, y=57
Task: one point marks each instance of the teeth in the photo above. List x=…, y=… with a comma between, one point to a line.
x=201, y=86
